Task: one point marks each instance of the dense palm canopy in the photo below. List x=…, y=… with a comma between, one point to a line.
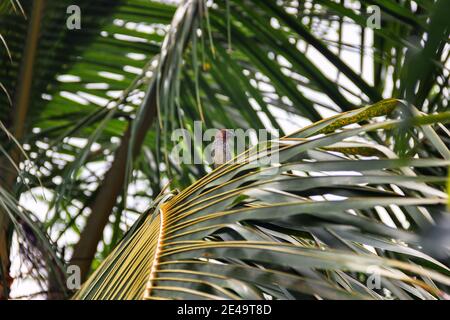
x=247, y=230
x=87, y=117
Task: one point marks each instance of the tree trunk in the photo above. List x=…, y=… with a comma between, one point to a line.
x=109, y=191
x=113, y=183
x=21, y=104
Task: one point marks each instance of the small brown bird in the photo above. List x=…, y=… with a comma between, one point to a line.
x=222, y=147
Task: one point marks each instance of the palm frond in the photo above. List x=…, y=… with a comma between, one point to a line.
x=36, y=250
x=241, y=64
x=331, y=212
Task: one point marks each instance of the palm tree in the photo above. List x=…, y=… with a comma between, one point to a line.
x=300, y=227
x=112, y=93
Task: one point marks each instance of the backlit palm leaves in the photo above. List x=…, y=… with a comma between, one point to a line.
x=5, y=6
x=105, y=99
x=321, y=222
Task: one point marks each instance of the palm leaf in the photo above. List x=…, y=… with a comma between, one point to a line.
x=92, y=82
x=302, y=226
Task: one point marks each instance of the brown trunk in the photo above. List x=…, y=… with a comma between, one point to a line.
x=5, y=279
x=21, y=104
x=113, y=183
x=109, y=191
